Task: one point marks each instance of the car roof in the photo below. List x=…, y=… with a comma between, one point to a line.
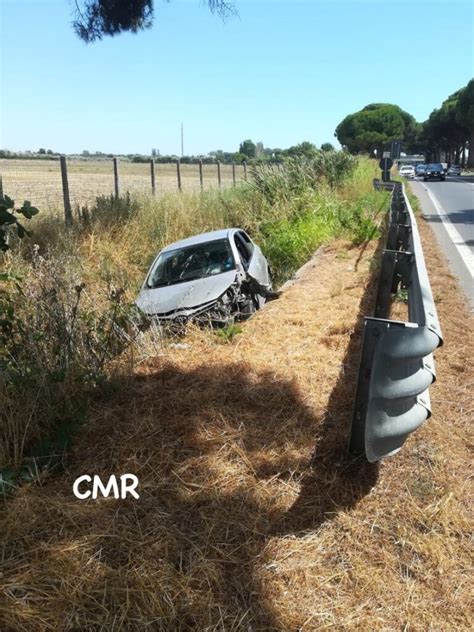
x=203, y=238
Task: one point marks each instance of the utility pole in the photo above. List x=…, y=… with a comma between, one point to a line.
x=182, y=140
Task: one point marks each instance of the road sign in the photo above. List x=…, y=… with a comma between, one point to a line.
x=385, y=164
x=395, y=149
x=386, y=154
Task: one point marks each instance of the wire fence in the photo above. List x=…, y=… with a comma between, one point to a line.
x=78, y=183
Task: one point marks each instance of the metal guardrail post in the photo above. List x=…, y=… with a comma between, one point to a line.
x=396, y=366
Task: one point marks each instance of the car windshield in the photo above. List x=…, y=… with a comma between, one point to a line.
x=191, y=263
x=420, y=167
x=435, y=166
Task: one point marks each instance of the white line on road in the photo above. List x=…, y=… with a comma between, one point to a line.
x=458, y=241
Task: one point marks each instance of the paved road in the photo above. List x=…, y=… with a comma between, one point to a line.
x=449, y=208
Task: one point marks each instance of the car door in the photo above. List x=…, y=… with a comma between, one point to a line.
x=257, y=265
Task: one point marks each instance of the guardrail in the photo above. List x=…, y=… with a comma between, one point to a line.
x=396, y=366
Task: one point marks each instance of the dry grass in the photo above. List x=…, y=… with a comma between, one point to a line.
x=40, y=180
x=249, y=517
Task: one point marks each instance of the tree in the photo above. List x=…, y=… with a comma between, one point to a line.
x=41, y=150
x=95, y=19
x=375, y=126
x=327, y=147
x=465, y=116
x=248, y=148
x=444, y=130
x=303, y=150
x=259, y=150
x=239, y=158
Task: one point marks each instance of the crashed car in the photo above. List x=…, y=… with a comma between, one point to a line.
x=214, y=278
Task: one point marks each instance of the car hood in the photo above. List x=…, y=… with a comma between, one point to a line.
x=185, y=296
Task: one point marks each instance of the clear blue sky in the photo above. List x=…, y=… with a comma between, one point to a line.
x=282, y=72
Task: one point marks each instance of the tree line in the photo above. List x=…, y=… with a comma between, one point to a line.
x=448, y=132
x=248, y=152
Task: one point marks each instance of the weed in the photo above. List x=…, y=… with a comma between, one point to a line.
x=228, y=333
x=401, y=296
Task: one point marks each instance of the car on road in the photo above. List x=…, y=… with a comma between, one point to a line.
x=407, y=171
x=420, y=170
x=214, y=278
x=434, y=171
x=454, y=170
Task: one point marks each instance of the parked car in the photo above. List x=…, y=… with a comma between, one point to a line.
x=454, y=170
x=215, y=277
x=407, y=171
x=434, y=171
x=420, y=170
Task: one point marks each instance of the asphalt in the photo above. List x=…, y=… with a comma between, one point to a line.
x=449, y=209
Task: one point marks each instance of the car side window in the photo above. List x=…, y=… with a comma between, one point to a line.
x=244, y=253
x=248, y=242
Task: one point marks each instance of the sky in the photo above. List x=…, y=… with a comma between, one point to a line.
x=281, y=72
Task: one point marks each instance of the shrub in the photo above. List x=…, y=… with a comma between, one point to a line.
x=296, y=175
x=8, y=220
x=108, y=211
x=55, y=341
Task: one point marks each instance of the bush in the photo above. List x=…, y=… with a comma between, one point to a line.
x=9, y=219
x=296, y=175
x=55, y=340
x=108, y=211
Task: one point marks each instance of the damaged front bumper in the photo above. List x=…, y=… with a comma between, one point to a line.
x=241, y=299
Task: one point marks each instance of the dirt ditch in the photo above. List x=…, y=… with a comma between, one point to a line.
x=249, y=517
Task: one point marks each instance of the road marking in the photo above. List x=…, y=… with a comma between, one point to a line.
x=466, y=255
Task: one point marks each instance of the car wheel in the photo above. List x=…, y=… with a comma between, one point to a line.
x=248, y=308
x=425, y=179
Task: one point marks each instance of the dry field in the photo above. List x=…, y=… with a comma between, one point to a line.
x=40, y=180
x=249, y=518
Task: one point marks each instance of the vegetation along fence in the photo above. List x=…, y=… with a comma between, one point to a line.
x=61, y=186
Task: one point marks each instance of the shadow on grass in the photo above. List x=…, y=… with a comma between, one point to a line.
x=213, y=448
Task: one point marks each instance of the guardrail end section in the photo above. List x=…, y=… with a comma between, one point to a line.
x=372, y=330
x=392, y=399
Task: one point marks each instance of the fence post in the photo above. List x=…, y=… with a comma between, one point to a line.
x=66, y=198
x=219, y=173
x=1, y=186
x=233, y=174
x=116, y=178
x=201, y=182
x=245, y=170
x=178, y=173
x=152, y=172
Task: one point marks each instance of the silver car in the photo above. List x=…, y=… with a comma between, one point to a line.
x=454, y=170
x=215, y=277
